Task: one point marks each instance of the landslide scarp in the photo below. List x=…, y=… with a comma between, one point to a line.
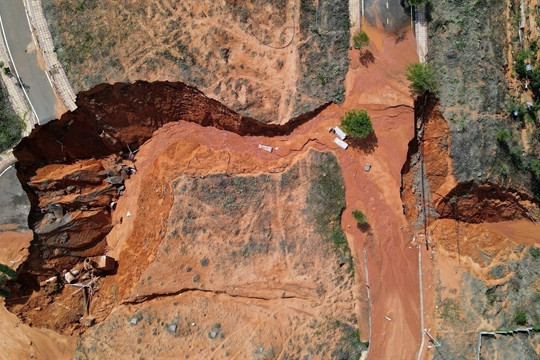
x=431, y=186
x=73, y=169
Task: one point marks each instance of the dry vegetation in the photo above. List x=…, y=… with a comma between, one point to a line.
x=272, y=60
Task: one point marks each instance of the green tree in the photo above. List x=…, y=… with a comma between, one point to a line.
x=5, y=273
x=421, y=77
x=360, y=217
x=360, y=40
x=357, y=124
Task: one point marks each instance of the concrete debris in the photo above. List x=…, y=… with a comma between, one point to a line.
x=135, y=320
x=124, y=172
x=51, y=280
x=103, y=263
x=68, y=276
x=367, y=167
x=266, y=148
x=107, y=138
x=172, y=328
x=57, y=210
x=214, y=332
x=115, y=180
x=111, y=172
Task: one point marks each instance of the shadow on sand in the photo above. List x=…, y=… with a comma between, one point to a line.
x=367, y=145
x=366, y=57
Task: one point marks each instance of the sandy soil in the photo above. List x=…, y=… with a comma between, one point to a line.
x=376, y=192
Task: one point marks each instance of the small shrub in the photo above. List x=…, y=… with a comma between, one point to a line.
x=357, y=123
x=360, y=217
x=421, y=77
x=503, y=135
x=360, y=40
x=521, y=60
x=520, y=317
x=4, y=269
x=535, y=252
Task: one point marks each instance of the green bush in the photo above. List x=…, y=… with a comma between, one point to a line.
x=516, y=155
x=535, y=252
x=421, y=77
x=360, y=40
x=360, y=217
x=534, y=167
x=357, y=124
x=6, y=272
x=503, y=135
x=520, y=317
x=521, y=60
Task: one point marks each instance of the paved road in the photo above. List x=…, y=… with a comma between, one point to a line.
x=391, y=15
x=19, y=38
x=14, y=203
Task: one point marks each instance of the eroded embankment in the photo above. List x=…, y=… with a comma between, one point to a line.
x=429, y=184
x=70, y=211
